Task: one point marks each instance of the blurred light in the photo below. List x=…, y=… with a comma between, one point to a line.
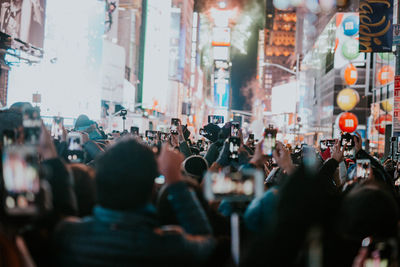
x=281, y=4
x=313, y=6
x=327, y=5
x=222, y=4
x=222, y=17
x=296, y=3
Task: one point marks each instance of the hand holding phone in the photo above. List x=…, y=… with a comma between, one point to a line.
x=21, y=180
x=234, y=145
x=75, y=152
x=269, y=141
x=175, y=124
x=235, y=128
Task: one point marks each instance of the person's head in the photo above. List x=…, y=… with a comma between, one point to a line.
x=212, y=132
x=368, y=210
x=84, y=187
x=125, y=175
x=20, y=106
x=83, y=122
x=195, y=167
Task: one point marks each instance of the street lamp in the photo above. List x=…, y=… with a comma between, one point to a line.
x=295, y=73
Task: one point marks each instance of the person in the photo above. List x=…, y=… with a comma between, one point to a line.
x=195, y=167
x=124, y=229
x=84, y=188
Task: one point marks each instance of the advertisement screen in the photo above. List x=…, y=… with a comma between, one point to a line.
x=221, y=93
x=156, y=55
x=68, y=78
x=24, y=20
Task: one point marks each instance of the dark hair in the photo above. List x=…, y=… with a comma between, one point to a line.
x=195, y=166
x=369, y=210
x=84, y=187
x=125, y=175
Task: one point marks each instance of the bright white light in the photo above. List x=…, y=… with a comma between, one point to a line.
x=70, y=86
x=281, y=4
x=156, y=55
x=222, y=4
x=221, y=53
x=222, y=17
x=283, y=98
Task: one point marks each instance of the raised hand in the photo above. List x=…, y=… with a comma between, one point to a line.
x=282, y=158
x=169, y=164
x=338, y=152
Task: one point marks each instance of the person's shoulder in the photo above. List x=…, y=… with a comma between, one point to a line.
x=71, y=225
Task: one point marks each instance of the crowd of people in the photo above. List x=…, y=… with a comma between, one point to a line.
x=132, y=200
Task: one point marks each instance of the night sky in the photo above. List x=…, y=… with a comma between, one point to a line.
x=244, y=68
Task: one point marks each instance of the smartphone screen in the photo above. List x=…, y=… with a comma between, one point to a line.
x=75, y=152
x=235, y=127
x=363, y=168
x=215, y=119
x=21, y=180
x=57, y=128
x=330, y=142
x=135, y=130
x=174, y=126
x=234, y=145
x=322, y=145
x=151, y=135
x=163, y=136
x=202, y=132
x=347, y=140
x=32, y=125
x=237, y=186
x=269, y=141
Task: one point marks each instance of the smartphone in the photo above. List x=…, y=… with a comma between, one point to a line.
x=235, y=187
x=216, y=119
x=234, y=145
x=135, y=130
x=21, y=180
x=347, y=140
x=269, y=141
x=235, y=127
x=151, y=135
x=251, y=138
x=57, y=127
x=32, y=125
x=363, y=168
x=75, y=152
x=322, y=145
x=202, y=132
x=174, y=125
x=163, y=136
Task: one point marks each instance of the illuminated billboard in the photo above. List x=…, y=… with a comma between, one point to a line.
x=221, y=36
x=221, y=52
x=156, y=54
x=221, y=93
x=69, y=76
x=23, y=19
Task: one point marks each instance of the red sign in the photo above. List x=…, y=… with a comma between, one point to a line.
x=381, y=121
x=397, y=82
x=396, y=119
x=348, y=122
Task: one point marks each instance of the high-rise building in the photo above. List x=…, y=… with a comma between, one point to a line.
x=280, y=42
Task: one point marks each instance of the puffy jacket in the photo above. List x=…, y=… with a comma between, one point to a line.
x=135, y=238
